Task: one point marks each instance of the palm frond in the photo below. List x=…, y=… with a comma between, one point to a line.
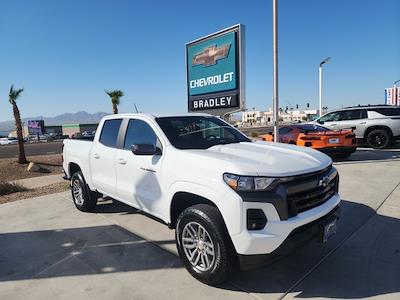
x=14, y=94
x=115, y=96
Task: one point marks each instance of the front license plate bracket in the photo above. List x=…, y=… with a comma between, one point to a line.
x=327, y=230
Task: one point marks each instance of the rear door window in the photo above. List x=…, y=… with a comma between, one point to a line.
x=353, y=114
x=364, y=114
x=109, y=133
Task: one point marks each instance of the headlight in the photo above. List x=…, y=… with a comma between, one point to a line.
x=246, y=183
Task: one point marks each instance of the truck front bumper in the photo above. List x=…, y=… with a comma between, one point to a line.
x=297, y=238
x=276, y=232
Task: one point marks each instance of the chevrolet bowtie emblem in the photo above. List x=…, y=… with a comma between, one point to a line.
x=324, y=181
x=210, y=55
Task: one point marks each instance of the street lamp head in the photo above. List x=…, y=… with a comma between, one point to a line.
x=326, y=60
x=396, y=82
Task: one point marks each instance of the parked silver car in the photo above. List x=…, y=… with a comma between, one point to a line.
x=8, y=141
x=377, y=125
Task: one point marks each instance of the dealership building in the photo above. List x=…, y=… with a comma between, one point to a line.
x=38, y=127
x=72, y=129
x=262, y=118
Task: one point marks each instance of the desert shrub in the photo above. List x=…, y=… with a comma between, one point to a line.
x=10, y=187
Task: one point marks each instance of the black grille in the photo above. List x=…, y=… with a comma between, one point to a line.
x=306, y=193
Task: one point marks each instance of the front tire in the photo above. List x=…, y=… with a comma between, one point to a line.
x=203, y=244
x=378, y=138
x=84, y=198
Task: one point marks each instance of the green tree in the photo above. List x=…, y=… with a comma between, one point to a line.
x=115, y=96
x=13, y=95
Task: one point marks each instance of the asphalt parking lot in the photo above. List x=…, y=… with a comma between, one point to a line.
x=43, y=148
x=48, y=249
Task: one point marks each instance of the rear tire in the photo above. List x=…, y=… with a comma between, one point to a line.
x=204, y=245
x=378, y=139
x=84, y=199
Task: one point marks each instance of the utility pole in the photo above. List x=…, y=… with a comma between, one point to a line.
x=320, y=83
x=275, y=99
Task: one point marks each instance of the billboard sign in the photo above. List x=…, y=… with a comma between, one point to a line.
x=392, y=96
x=35, y=127
x=215, y=72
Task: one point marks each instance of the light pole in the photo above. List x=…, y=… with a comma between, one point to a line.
x=395, y=83
x=320, y=83
x=275, y=99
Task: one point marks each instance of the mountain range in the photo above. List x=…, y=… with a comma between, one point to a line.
x=67, y=118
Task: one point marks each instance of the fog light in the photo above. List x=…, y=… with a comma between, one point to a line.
x=256, y=219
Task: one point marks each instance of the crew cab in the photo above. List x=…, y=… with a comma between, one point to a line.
x=231, y=201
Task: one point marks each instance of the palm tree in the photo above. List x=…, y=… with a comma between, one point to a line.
x=115, y=96
x=13, y=95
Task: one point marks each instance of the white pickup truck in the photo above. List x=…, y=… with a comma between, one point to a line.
x=231, y=201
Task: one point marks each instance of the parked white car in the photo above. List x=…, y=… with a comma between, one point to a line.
x=377, y=125
x=8, y=141
x=229, y=199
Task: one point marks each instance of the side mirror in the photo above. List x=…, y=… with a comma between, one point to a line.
x=145, y=149
x=320, y=122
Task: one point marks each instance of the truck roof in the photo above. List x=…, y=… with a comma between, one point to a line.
x=154, y=115
x=370, y=106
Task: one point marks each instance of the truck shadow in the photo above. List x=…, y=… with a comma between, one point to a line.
x=79, y=251
x=108, y=205
x=370, y=156
x=350, y=265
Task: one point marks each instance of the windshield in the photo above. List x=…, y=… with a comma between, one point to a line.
x=199, y=132
x=311, y=127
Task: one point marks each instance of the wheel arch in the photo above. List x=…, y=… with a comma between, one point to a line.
x=182, y=200
x=73, y=168
x=75, y=165
x=229, y=203
x=374, y=127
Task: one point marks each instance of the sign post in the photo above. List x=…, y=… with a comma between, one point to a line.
x=215, y=72
x=275, y=99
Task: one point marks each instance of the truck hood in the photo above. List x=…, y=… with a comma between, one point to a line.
x=267, y=159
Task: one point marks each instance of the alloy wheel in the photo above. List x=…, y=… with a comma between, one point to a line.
x=78, y=192
x=198, y=246
x=377, y=139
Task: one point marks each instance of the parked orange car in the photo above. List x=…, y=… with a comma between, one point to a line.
x=332, y=142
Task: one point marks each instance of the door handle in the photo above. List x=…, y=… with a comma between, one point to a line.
x=363, y=123
x=96, y=156
x=121, y=161
x=333, y=124
x=148, y=170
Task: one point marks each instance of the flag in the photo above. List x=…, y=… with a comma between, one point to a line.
x=392, y=96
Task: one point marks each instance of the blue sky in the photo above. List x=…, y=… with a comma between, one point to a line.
x=66, y=53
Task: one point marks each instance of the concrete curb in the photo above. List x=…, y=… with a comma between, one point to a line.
x=40, y=181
